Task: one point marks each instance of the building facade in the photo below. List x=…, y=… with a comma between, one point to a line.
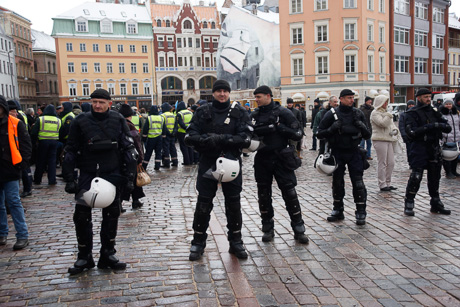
x=454, y=53
x=8, y=77
x=329, y=45
x=46, y=78
x=186, y=40
x=105, y=45
x=18, y=27
x=419, y=47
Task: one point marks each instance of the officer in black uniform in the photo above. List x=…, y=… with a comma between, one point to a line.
x=344, y=127
x=275, y=126
x=100, y=145
x=218, y=128
x=424, y=128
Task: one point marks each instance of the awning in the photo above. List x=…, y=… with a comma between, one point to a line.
x=356, y=94
x=322, y=96
x=298, y=97
x=385, y=92
x=373, y=93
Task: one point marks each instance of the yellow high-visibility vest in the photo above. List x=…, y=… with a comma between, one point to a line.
x=170, y=120
x=49, y=128
x=155, y=123
x=186, y=118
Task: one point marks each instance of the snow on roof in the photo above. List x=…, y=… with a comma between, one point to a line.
x=114, y=12
x=270, y=16
x=453, y=21
x=42, y=42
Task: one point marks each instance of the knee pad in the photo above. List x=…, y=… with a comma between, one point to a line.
x=204, y=205
x=82, y=215
x=289, y=194
x=359, y=190
x=414, y=181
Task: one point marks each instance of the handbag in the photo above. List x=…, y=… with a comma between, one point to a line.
x=289, y=158
x=143, y=177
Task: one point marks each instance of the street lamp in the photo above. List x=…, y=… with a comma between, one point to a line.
x=10, y=67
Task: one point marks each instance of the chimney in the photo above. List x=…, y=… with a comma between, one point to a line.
x=201, y=3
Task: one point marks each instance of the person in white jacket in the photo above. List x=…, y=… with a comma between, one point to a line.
x=383, y=135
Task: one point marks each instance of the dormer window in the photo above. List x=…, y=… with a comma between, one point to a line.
x=106, y=26
x=102, y=13
x=205, y=24
x=213, y=25
x=81, y=25
x=159, y=23
x=168, y=23
x=86, y=11
x=131, y=27
x=124, y=14
x=187, y=24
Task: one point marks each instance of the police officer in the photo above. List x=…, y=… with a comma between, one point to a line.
x=135, y=119
x=344, y=127
x=183, y=118
x=424, y=128
x=275, y=126
x=169, y=140
x=66, y=116
x=218, y=128
x=100, y=145
x=152, y=136
x=46, y=130
x=298, y=116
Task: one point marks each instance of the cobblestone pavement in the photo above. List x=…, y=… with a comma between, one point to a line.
x=393, y=260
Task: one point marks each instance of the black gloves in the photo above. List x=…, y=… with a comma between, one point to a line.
x=336, y=126
x=214, y=140
x=443, y=126
x=360, y=124
x=71, y=187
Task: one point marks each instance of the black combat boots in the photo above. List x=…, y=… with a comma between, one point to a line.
x=438, y=207
x=82, y=263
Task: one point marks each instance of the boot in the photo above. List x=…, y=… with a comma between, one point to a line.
x=237, y=249
x=337, y=213
x=108, y=260
x=197, y=250
x=453, y=164
x=81, y=264
x=268, y=235
x=438, y=207
x=83, y=229
x=137, y=204
x=299, y=233
x=108, y=234
x=448, y=168
x=409, y=207
x=360, y=217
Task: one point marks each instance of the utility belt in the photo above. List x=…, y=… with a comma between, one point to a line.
x=97, y=144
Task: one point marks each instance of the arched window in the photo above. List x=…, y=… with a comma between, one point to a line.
x=213, y=25
x=190, y=84
x=205, y=24
x=168, y=23
x=207, y=82
x=187, y=24
x=169, y=83
x=159, y=23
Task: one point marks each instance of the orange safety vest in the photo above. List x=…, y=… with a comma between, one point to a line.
x=13, y=139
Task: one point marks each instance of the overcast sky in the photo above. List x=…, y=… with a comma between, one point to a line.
x=40, y=12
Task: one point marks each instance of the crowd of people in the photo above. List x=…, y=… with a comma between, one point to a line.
x=101, y=147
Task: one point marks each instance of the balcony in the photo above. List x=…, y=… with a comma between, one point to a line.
x=454, y=43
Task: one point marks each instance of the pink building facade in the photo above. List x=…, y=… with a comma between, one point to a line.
x=329, y=45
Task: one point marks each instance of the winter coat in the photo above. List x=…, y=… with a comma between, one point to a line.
x=382, y=125
x=453, y=119
x=367, y=110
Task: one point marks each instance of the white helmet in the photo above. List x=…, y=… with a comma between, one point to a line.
x=101, y=194
x=325, y=164
x=254, y=146
x=450, y=151
x=226, y=169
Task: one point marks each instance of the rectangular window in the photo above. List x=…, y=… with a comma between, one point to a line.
x=297, y=36
x=85, y=87
x=321, y=33
x=111, y=87
x=69, y=46
x=190, y=42
x=349, y=4
x=401, y=64
x=144, y=48
x=70, y=67
x=350, y=33
x=81, y=26
x=370, y=5
x=133, y=68
x=420, y=38
x=191, y=61
x=382, y=64
x=438, y=15
x=438, y=67
x=297, y=67
x=438, y=41
x=198, y=61
x=420, y=65
x=146, y=88
x=120, y=48
x=145, y=68
x=370, y=32
x=72, y=89
x=132, y=28
x=382, y=6
x=350, y=63
x=132, y=48
x=97, y=67
x=370, y=63
x=320, y=5
x=179, y=61
x=84, y=67
x=179, y=42
x=95, y=47
x=170, y=44
x=381, y=34
x=122, y=89
x=161, y=61
x=135, y=89
x=170, y=62
x=83, y=47
x=207, y=62
x=421, y=10
x=108, y=48
x=296, y=6
x=121, y=68
x=402, y=7
x=109, y=68
x=197, y=43
x=401, y=35
x=322, y=65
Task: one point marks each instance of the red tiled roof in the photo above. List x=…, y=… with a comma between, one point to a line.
x=170, y=10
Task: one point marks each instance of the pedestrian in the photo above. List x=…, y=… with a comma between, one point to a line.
x=183, y=118
x=101, y=146
x=137, y=192
x=316, y=108
x=30, y=117
x=402, y=126
x=85, y=107
x=46, y=132
x=169, y=139
x=247, y=106
x=15, y=154
x=218, y=129
x=384, y=133
x=298, y=116
x=275, y=126
x=76, y=109
x=343, y=128
x=424, y=127
x=451, y=114
x=367, y=109
x=66, y=116
x=152, y=136
x=327, y=105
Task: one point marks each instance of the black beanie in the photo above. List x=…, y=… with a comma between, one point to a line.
x=289, y=100
x=12, y=105
x=410, y=102
x=423, y=91
x=126, y=110
x=263, y=90
x=221, y=85
x=101, y=94
x=4, y=104
x=346, y=92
